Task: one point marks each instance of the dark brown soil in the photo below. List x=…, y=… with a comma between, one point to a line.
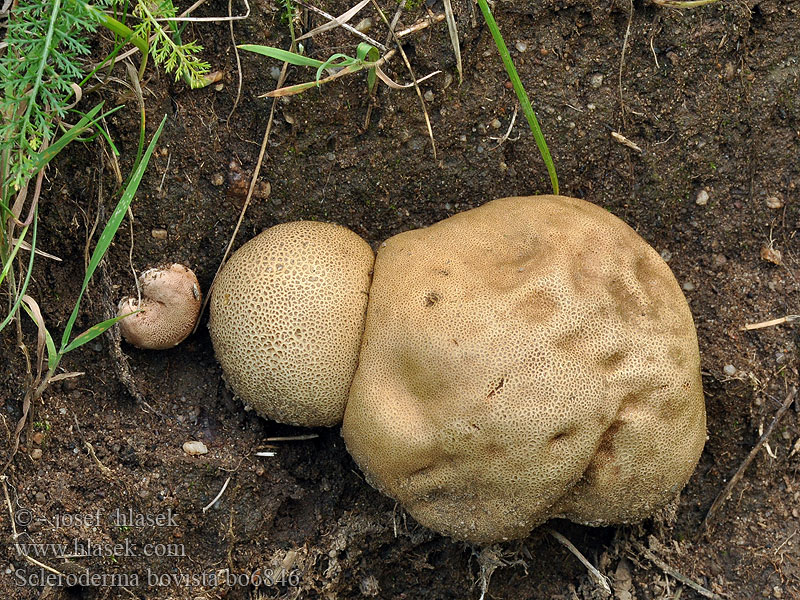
x=712, y=98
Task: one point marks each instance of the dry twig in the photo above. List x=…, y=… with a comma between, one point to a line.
x=208, y=506
x=723, y=495
x=410, y=70
x=770, y=323
x=675, y=574
x=598, y=577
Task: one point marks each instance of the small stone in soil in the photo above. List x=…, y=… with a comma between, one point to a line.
x=195, y=448
x=774, y=202
x=702, y=198
x=729, y=370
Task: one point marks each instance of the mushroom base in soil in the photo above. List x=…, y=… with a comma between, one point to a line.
x=529, y=359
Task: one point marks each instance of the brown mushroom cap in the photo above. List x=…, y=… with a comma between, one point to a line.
x=168, y=311
x=528, y=359
x=286, y=319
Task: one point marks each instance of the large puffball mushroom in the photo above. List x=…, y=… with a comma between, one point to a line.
x=170, y=306
x=286, y=318
x=528, y=359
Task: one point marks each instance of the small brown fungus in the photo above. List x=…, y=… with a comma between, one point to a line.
x=169, y=308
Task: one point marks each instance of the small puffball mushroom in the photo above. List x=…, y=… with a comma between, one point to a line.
x=529, y=359
x=169, y=309
x=286, y=319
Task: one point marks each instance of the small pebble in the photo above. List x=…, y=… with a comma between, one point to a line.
x=771, y=254
x=36, y=453
x=195, y=448
x=219, y=87
x=509, y=85
x=503, y=167
x=37, y=438
x=688, y=286
x=429, y=96
x=448, y=80
x=364, y=25
x=275, y=73
x=702, y=198
x=596, y=80
x=521, y=46
x=495, y=123
x=774, y=202
x=591, y=106
x=730, y=71
x=218, y=180
x=729, y=370
x=666, y=255
x=462, y=138
x=159, y=234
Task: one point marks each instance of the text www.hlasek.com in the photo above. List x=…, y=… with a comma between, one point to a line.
x=85, y=548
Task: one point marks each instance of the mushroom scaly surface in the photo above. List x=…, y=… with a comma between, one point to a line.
x=528, y=359
x=287, y=314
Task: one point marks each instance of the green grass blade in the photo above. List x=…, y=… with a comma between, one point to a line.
x=331, y=63
x=120, y=29
x=521, y=94
x=110, y=231
x=291, y=57
x=52, y=354
x=14, y=250
x=41, y=159
x=23, y=289
x=90, y=334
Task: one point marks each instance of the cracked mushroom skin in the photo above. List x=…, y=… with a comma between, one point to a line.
x=528, y=359
x=169, y=309
x=286, y=318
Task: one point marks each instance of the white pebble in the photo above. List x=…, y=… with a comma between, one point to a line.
x=275, y=73
x=729, y=370
x=495, y=123
x=521, y=46
x=364, y=25
x=429, y=96
x=688, y=286
x=774, y=202
x=195, y=448
x=702, y=198
x=596, y=80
